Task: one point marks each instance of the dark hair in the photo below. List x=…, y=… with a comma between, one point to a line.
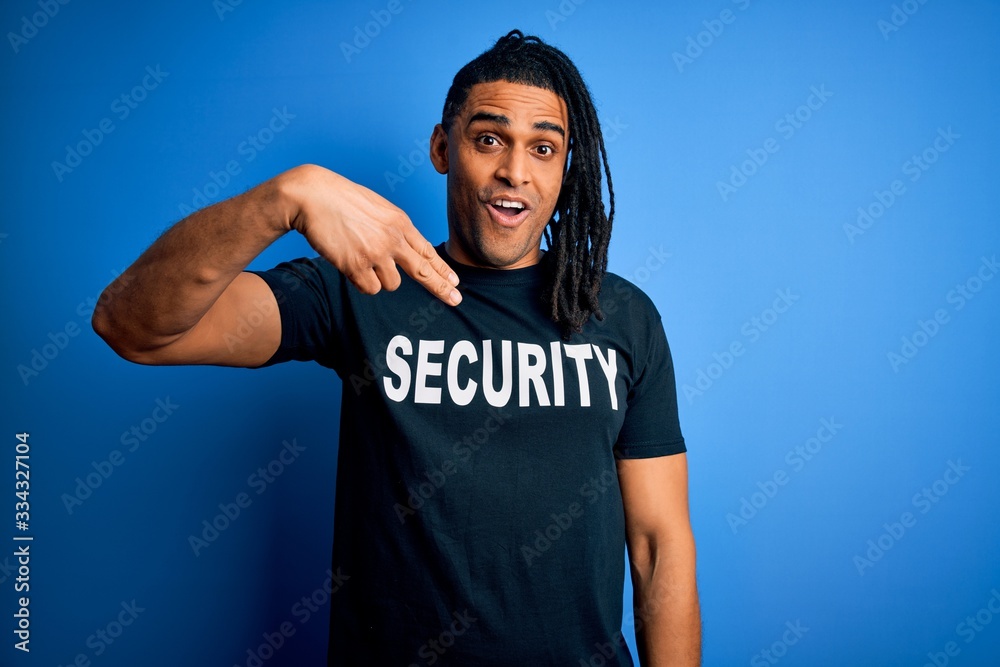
x=579, y=232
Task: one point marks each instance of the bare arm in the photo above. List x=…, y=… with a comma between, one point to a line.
x=662, y=556
x=185, y=297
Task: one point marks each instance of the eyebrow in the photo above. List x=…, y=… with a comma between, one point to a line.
x=503, y=121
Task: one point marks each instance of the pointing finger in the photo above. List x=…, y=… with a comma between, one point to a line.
x=419, y=259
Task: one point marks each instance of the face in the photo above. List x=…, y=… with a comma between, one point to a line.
x=505, y=156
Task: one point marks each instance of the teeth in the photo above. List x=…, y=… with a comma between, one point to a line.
x=505, y=203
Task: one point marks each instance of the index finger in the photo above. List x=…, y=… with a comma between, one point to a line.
x=422, y=263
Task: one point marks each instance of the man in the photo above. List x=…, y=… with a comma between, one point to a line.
x=496, y=452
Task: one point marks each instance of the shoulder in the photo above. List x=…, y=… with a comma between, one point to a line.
x=289, y=276
x=619, y=297
x=632, y=319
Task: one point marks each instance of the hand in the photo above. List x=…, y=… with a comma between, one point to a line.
x=364, y=235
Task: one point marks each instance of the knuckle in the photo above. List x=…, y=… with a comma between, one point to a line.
x=395, y=217
x=361, y=263
x=363, y=279
x=395, y=239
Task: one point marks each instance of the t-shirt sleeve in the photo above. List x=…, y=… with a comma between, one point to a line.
x=652, y=426
x=310, y=295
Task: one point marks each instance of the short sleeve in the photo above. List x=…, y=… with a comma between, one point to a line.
x=652, y=426
x=310, y=296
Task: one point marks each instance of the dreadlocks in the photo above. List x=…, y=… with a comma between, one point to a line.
x=579, y=232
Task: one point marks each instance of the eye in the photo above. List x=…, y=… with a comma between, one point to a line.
x=545, y=150
x=487, y=140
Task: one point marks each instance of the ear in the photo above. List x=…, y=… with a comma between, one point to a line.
x=439, y=149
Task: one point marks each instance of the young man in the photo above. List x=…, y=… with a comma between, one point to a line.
x=496, y=452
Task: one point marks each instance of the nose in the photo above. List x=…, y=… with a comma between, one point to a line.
x=513, y=168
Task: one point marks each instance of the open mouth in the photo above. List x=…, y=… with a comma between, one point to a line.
x=508, y=212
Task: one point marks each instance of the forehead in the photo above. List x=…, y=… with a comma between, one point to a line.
x=516, y=100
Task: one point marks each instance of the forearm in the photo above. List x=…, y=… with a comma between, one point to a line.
x=668, y=619
x=175, y=281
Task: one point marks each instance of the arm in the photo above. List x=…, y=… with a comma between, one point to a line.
x=662, y=557
x=182, y=299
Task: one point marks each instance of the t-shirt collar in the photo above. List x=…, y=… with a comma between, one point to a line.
x=478, y=275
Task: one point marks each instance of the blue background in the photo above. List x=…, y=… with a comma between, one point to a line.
x=684, y=95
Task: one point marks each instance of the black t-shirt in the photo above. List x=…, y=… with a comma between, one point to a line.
x=478, y=515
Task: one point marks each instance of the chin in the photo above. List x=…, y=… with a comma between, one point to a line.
x=494, y=260
x=495, y=248
x=506, y=260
